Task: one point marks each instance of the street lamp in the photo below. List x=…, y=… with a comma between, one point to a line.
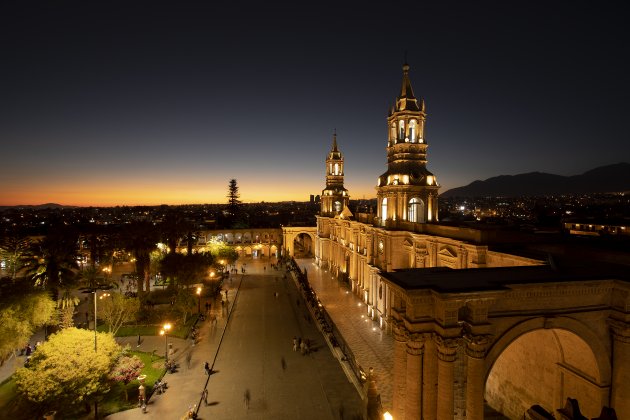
x=198, y=299
x=93, y=290
x=387, y=416
x=164, y=331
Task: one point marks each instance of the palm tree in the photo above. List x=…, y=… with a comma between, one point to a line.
x=14, y=250
x=53, y=260
x=140, y=238
x=173, y=228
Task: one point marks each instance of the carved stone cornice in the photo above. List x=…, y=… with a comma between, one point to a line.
x=447, y=348
x=400, y=332
x=620, y=330
x=477, y=345
x=415, y=344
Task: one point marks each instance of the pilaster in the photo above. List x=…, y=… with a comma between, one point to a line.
x=447, y=353
x=429, y=378
x=413, y=392
x=476, y=348
x=620, y=396
x=400, y=368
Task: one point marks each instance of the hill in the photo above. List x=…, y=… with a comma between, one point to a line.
x=610, y=178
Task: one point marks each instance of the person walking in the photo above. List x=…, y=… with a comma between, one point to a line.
x=295, y=343
x=303, y=347
x=246, y=398
x=204, y=396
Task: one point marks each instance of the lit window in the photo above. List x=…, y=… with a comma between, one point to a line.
x=384, y=210
x=415, y=211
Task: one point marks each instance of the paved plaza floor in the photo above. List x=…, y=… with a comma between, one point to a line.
x=250, y=349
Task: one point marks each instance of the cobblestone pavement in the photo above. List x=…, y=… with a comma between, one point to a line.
x=372, y=347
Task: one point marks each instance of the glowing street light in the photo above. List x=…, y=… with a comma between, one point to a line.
x=387, y=416
x=164, y=331
x=199, y=300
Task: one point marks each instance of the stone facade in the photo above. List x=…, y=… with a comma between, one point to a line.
x=471, y=325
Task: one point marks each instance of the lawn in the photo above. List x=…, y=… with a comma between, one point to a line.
x=179, y=330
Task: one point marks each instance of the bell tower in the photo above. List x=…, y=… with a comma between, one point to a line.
x=334, y=197
x=407, y=191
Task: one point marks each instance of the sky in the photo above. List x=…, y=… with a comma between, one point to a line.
x=145, y=103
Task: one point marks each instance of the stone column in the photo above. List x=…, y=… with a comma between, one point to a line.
x=447, y=353
x=429, y=379
x=620, y=396
x=413, y=391
x=400, y=367
x=476, y=347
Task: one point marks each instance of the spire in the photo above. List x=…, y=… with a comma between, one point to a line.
x=334, y=148
x=406, y=101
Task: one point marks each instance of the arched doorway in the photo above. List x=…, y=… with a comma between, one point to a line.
x=303, y=246
x=545, y=367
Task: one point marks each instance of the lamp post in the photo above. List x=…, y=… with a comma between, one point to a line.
x=164, y=331
x=93, y=290
x=199, y=300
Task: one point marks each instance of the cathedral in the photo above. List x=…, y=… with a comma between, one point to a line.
x=472, y=327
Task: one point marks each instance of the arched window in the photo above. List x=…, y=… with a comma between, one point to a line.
x=336, y=169
x=338, y=206
x=415, y=211
x=401, y=130
x=384, y=210
x=413, y=131
x=392, y=136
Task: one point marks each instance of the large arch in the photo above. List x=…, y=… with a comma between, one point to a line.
x=543, y=361
x=291, y=233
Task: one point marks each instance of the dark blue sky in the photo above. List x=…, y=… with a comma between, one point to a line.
x=163, y=102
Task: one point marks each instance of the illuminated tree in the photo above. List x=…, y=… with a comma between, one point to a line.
x=65, y=371
x=126, y=369
x=117, y=310
x=13, y=251
x=21, y=314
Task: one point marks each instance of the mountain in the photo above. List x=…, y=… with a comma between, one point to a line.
x=610, y=178
x=39, y=206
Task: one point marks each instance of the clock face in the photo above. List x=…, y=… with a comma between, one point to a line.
x=380, y=246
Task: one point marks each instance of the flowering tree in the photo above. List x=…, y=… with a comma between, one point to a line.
x=66, y=371
x=126, y=369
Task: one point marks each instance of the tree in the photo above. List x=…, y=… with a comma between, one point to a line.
x=13, y=251
x=65, y=371
x=234, y=210
x=21, y=314
x=233, y=197
x=53, y=259
x=140, y=238
x=184, y=270
x=126, y=369
x=117, y=310
x=185, y=303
